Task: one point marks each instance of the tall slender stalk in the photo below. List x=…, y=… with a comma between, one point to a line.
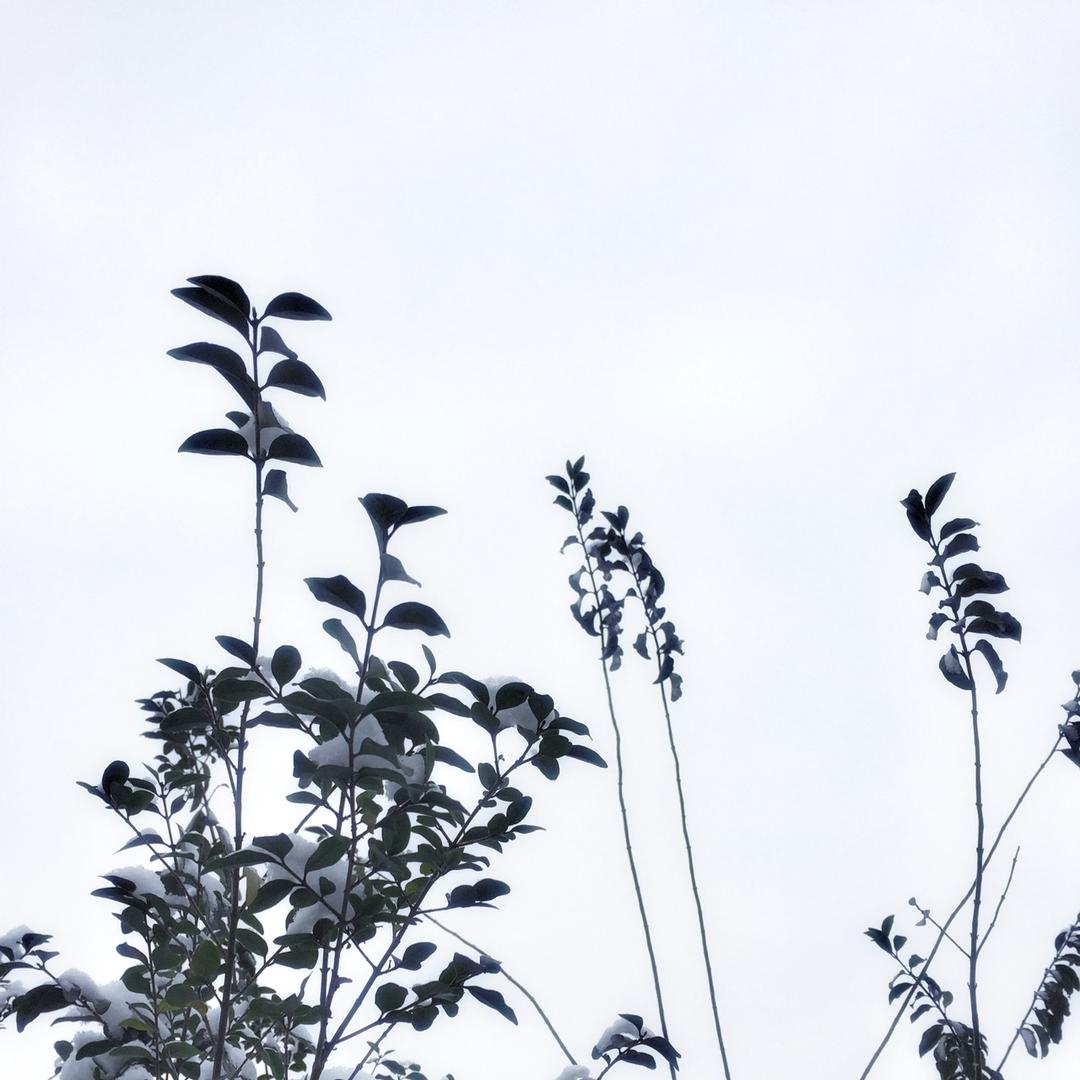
x=238, y=791
x=687, y=846
x=594, y=589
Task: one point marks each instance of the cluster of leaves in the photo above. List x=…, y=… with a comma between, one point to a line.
x=1051, y=1002
x=608, y=550
x=979, y=618
x=631, y=1043
x=242, y=949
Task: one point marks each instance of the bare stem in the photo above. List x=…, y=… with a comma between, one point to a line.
x=513, y=982
x=1001, y=901
x=595, y=589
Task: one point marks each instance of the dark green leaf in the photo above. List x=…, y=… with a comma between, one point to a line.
x=182, y=667
x=493, y=1000
x=340, y=592
x=390, y=996
x=270, y=893
x=240, y=649
x=992, y=658
x=953, y=669
x=285, y=664
x=970, y=579
x=295, y=375
x=215, y=441
x=276, y=485
x=938, y=490
x=213, y=305
x=224, y=361
x=955, y=526
x=278, y=844
x=414, y=616
x=294, y=305
x=205, y=962
x=392, y=570
x=416, y=514
x=916, y=514
x=583, y=753
x=959, y=545
x=416, y=954
x=271, y=341
x=237, y=690
x=294, y=449
x=336, y=629
x=225, y=289
x=330, y=850
x=451, y=757
x=558, y=483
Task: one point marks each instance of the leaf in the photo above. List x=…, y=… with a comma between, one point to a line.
x=213, y=305
x=414, y=616
x=205, y=961
x=938, y=490
x=960, y=544
x=992, y=658
x=488, y=889
x=493, y=1000
x=583, y=753
x=329, y=851
x=336, y=629
x=1029, y=1041
x=182, y=667
x=937, y=620
x=416, y=514
x=271, y=341
x=663, y=1048
x=452, y=757
x=225, y=289
x=415, y=955
x=953, y=670
x=278, y=844
x=240, y=649
x=293, y=448
x=276, y=485
x=340, y=592
x=392, y=570
x=285, y=664
x=215, y=441
x=237, y=690
x=558, y=483
x=929, y=1039
x=226, y=362
x=384, y=511
x=986, y=619
x=916, y=515
x=929, y=581
x=512, y=694
x=294, y=305
x=295, y=375
x=970, y=579
x=270, y=893
x=390, y=996
x=956, y=525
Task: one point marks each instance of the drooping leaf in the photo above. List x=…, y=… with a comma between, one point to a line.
x=1001, y=676
x=295, y=375
x=986, y=619
x=294, y=305
x=937, y=491
x=937, y=620
x=215, y=441
x=953, y=670
x=916, y=515
x=960, y=544
x=336, y=629
x=416, y=514
x=493, y=1000
x=340, y=592
x=295, y=449
x=276, y=485
x=271, y=341
x=971, y=579
x=226, y=362
x=414, y=616
x=213, y=305
x=205, y=961
x=584, y=753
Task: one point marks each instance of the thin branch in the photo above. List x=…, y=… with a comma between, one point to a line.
x=925, y=913
x=513, y=982
x=1001, y=900
x=959, y=907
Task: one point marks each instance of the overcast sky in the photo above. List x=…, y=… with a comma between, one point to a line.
x=768, y=265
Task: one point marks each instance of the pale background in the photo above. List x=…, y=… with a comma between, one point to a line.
x=767, y=264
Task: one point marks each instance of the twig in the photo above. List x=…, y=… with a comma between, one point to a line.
x=513, y=982
x=1001, y=900
x=959, y=907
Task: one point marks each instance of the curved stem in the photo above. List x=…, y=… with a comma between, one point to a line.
x=619, y=774
x=513, y=982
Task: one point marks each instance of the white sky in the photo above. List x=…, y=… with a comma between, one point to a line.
x=767, y=264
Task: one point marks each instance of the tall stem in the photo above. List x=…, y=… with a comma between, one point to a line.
x=238, y=795
x=619, y=776
x=973, y=958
